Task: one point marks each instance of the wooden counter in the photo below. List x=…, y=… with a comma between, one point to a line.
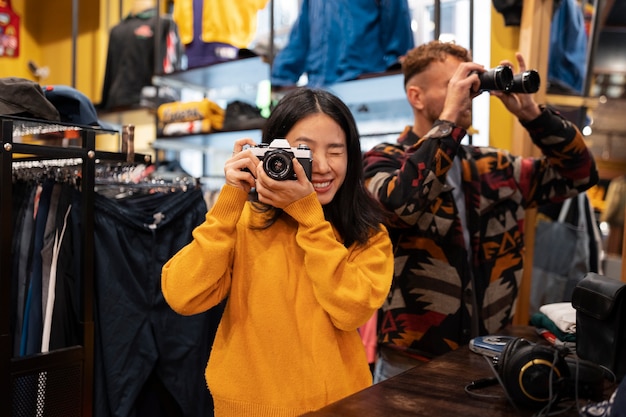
x=434, y=389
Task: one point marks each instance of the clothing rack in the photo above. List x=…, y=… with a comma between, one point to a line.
x=68, y=372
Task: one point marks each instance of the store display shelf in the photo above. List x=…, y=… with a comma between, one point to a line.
x=227, y=81
x=378, y=103
x=205, y=142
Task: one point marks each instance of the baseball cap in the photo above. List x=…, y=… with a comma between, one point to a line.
x=73, y=106
x=23, y=97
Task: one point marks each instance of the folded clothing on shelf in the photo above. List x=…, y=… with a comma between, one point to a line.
x=179, y=111
x=562, y=314
x=541, y=321
x=187, y=128
x=208, y=113
x=242, y=116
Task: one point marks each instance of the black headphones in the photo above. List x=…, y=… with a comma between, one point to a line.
x=534, y=374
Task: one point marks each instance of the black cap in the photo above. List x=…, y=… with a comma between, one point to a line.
x=23, y=97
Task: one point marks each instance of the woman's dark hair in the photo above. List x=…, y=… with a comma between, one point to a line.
x=353, y=212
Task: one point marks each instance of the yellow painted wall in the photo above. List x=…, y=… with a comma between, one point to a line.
x=29, y=48
x=504, y=45
x=46, y=39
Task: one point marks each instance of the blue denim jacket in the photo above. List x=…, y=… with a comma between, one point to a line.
x=567, y=63
x=333, y=41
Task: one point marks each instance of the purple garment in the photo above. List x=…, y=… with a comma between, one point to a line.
x=200, y=53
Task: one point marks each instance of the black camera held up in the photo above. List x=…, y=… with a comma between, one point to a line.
x=501, y=78
x=524, y=82
x=277, y=159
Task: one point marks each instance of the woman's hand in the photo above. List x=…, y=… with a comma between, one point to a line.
x=240, y=170
x=280, y=194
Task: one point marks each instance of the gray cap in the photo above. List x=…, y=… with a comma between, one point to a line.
x=22, y=97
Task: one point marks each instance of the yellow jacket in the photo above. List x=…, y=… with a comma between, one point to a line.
x=288, y=341
x=225, y=21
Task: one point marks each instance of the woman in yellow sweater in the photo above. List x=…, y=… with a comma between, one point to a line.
x=302, y=265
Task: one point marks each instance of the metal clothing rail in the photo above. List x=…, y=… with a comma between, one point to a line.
x=68, y=372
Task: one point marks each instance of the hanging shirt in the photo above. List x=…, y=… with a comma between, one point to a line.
x=226, y=21
x=567, y=62
x=333, y=41
x=214, y=31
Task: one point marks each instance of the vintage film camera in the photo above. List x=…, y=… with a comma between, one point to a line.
x=277, y=159
x=502, y=78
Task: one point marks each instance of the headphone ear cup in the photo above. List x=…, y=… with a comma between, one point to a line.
x=526, y=372
x=504, y=359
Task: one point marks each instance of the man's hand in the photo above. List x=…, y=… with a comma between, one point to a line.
x=461, y=91
x=523, y=106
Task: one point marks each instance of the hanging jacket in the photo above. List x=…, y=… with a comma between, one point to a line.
x=131, y=60
x=567, y=61
x=339, y=40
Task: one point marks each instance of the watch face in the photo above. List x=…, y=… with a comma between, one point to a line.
x=445, y=129
x=441, y=130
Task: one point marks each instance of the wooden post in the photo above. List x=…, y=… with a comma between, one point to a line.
x=534, y=44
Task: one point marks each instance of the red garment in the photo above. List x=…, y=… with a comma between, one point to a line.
x=368, y=335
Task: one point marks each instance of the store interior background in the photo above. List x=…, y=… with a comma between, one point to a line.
x=70, y=39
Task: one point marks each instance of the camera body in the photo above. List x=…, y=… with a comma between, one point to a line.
x=497, y=78
x=525, y=82
x=501, y=78
x=277, y=159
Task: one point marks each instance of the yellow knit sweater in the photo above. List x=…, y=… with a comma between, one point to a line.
x=288, y=340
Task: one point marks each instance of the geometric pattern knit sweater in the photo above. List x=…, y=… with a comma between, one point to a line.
x=442, y=295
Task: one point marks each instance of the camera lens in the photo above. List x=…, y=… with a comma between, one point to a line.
x=497, y=78
x=277, y=165
x=525, y=82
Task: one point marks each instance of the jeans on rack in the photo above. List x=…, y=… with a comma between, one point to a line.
x=137, y=334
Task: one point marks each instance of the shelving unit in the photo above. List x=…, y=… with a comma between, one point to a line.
x=232, y=80
x=378, y=114
x=58, y=382
x=221, y=83
x=214, y=148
